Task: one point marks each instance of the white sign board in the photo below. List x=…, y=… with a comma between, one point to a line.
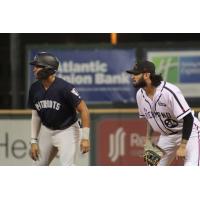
x=15, y=147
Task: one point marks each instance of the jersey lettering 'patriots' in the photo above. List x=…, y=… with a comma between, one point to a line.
x=47, y=104
x=57, y=105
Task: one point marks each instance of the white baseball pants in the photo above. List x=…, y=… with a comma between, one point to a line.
x=64, y=142
x=171, y=143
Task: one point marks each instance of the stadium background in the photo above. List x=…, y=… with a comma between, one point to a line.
x=117, y=135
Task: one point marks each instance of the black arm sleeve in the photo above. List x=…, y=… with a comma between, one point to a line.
x=187, y=126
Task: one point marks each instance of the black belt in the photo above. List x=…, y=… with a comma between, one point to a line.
x=57, y=128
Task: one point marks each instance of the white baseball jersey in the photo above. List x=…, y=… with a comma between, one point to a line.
x=166, y=111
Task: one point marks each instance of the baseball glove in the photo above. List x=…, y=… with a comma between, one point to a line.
x=152, y=154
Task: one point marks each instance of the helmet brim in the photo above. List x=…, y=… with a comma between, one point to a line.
x=33, y=62
x=36, y=63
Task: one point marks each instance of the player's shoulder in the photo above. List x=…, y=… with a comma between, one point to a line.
x=35, y=85
x=63, y=83
x=169, y=87
x=139, y=93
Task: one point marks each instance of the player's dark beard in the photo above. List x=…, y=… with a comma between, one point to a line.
x=140, y=84
x=44, y=74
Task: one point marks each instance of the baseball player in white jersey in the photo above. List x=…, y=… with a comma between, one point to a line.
x=166, y=112
x=54, y=126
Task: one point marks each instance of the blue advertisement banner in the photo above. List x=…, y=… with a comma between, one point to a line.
x=190, y=69
x=98, y=74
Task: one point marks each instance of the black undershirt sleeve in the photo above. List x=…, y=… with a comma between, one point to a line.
x=187, y=126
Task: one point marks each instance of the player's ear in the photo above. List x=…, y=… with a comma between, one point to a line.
x=146, y=75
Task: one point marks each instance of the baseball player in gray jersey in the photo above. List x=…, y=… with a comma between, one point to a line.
x=166, y=112
x=54, y=126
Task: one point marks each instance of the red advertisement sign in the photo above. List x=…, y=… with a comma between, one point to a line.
x=121, y=142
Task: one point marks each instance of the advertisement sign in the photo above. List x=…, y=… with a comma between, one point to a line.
x=179, y=67
x=98, y=74
x=15, y=144
x=121, y=142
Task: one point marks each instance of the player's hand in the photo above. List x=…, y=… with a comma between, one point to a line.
x=181, y=151
x=85, y=145
x=34, y=151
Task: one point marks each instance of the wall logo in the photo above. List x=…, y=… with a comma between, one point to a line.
x=181, y=68
x=177, y=66
x=117, y=144
x=168, y=66
x=120, y=142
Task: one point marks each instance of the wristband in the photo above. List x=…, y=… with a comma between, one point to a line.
x=34, y=141
x=85, y=133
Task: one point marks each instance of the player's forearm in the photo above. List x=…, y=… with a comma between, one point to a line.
x=84, y=114
x=85, y=119
x=86, y=124
x=149, y=132
x=35, y=126
x=187, y=127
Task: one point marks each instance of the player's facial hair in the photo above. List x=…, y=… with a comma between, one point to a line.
x=44, y=74
x=141, y=83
